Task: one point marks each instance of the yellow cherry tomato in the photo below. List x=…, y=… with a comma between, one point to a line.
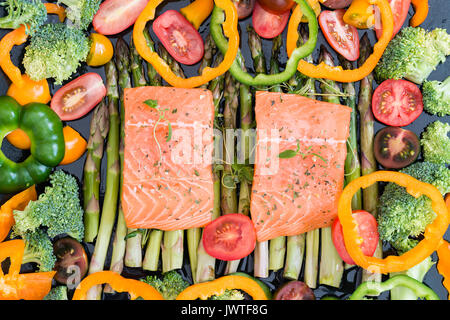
x=75, y=145
x=101, y=50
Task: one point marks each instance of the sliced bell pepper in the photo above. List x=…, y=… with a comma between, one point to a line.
x=231, y=32
x=421, y=12
x=296, y=53
x=196, y=12
x=17, y=202
x=375, y=288
x=325, y=71
x=443, y=252
x=217, y=287
x=54, y=8
x=134, y=287
x=432, y=235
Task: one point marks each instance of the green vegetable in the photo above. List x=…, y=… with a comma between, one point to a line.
x=56, y=50
x=376, y=288
x=57, y=293
x=260, y=80
x=38, y=249
x=436, y=97
x=170, y=285
x=401, y=217
x=232, y=294
x=263, y=286
x=413, y=54
x=436, y=143
x=81, y=12
x=44, y=128
x=30, y=13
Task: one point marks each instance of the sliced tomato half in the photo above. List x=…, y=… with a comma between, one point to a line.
x=229, y=237
x=368, y=231
x=268, y=25
x=399, y=10
x=115, y=16
x=179, y=37
x=397, y=103
x=341, y=36
x=78, y=97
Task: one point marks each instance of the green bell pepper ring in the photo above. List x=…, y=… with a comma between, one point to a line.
x=218, y=17
x=376, y=288
x=45, y=130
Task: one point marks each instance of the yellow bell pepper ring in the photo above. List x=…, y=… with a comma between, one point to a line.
x=432, y=235
x=229, y=27
x=197, y=12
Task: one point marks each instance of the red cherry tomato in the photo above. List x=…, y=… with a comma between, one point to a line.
x=244, y=7
x=341, y=36
x=115, y=16
x=268, y=25
x=78, y=97
x=230, y=237
x=368, y=231
x=179, y=37
x=397, y=103
x=399, y=10
x=276, y=6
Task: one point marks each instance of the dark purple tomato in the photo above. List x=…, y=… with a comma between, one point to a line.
x=294, y=290
x=72, y=260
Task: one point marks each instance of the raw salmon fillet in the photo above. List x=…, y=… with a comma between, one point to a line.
x=171, y=189
x=294, y=195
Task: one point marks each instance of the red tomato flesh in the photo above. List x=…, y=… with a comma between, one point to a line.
x=397, y=103
x=399, y=10
x=268, y=25
x=368, y=231
x=179, y=37
x=78, y=97
x=341, y=36
x=115, y=16
x=230, y=237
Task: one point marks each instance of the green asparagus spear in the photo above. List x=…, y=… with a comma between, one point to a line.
x=137, y=67
x=154, y=78
x=109, y=209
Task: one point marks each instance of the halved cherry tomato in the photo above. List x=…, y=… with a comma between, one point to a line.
x=71, y=260
x=244, y=7
x=78, y=97
x=368, y=232
x=294, y=290
x=399, y=10
x=276, y=6
x=341, y=36
x=267, y=24
x=75, y=145
x=336, y=4
x=397, y=102
x=179, y=37
x=101, y=50
x=230, y=237
x=114, y=16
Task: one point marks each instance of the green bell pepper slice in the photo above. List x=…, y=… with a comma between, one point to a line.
x=45, y=130
x=217, y=19
x=401, y=280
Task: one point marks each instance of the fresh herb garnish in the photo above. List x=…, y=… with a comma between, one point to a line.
x=162, y=117
x=288, y=154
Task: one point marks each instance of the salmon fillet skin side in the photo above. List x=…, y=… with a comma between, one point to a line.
x=293, y=195
x=167, y=174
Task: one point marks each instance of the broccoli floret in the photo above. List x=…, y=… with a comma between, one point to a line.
x=170, y=285
x=436, y=143
x=413, y=54
x=232, y=294
x=58, y=209
x=81, y=12
x=38, y=249
x=436, y=97
x=30, y=13
x=57, y=293
x=402, y=217
x=55, y=51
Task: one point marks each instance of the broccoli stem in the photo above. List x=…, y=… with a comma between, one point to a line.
x=112, y=180
x=368, y=162
x=91, y=177
x=331, y=264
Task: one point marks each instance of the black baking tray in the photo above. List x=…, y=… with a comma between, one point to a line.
x=437, y=18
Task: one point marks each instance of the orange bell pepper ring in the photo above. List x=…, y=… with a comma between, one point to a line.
x=196, y=12
x=25, y=286
x=432, y=235
x=54, y=8
x=134, y=287
x=421, y=12
x=230, y=31
x=443, y=252
x=17, y=202
x=325, y=71
x=217, y=287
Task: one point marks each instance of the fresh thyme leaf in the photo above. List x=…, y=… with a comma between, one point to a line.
x=169, y=134
x=287, y=154
x=151, y=103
